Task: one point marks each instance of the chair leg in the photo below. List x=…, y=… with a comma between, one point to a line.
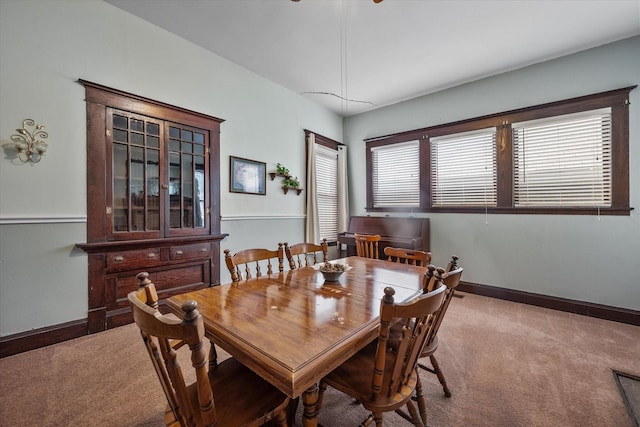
x=292, y=409
x=376, y=416
x=422, y=402
x=438, y=372
x=415, y=418
x=281, y=418
x=367, y=421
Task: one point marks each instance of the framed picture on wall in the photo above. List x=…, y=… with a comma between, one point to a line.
x=247, y=176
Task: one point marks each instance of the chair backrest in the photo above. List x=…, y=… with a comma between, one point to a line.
x=435, y=275
x=367, y=245
x=451, y=280
x=240, y=264
x=306, y=254
x=407, y=256
x=162, y=336
x=432, y=278
x=417, y=317
x=452, y=265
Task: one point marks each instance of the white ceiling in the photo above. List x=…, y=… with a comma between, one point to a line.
x=377, y=54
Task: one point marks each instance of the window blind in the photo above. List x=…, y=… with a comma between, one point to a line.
x=327, y=191
x=396, y=174
x=563, y=160
x=463, y=169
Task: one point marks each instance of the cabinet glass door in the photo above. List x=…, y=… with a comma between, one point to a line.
x=188, y=192
x=135, y=175
x=159, y=178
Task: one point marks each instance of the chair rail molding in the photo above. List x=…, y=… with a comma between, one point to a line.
x=261, y=217
x=51, y=219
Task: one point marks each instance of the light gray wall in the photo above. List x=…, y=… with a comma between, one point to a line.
x=46, y=47
x=584, y=258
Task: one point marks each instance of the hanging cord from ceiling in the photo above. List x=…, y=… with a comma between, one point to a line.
x=336, y=95
x=344, y=85
x=343, y=60
x=375, y=1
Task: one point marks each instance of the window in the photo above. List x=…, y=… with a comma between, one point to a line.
x=327, y=194
x=326, y=191
x=563, y=161
x=565, y=157
x=463, y=169
x=396, y=175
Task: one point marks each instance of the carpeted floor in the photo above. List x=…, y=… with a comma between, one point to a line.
x=507, y=364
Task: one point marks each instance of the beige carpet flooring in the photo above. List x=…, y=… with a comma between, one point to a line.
x=507, y=364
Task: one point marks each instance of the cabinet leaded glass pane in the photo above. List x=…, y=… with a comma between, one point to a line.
x=153, y=189
x=120, y=188
x=174, y=190
x=186, y=178
x=136, y=174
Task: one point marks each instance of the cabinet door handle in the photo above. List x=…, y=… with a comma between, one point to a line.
x=151, y=255
x=204, y=250
x=179, y=252
x=118, y=258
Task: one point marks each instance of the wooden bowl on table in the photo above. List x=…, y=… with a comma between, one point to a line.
x=331, y=271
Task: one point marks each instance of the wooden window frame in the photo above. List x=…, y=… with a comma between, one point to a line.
x=617, y=100
x=330, y=144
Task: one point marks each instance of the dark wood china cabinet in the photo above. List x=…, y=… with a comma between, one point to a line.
x=153, y=200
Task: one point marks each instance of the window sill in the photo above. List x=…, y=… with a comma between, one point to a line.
x=511, y=211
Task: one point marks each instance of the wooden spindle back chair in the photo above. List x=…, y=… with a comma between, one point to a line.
x=248, y=263
x=229, y=395
x=452, y=265
x=383, y=379
x=407, y=256
x=367, y=245
x=451, y=280
x=306, y=254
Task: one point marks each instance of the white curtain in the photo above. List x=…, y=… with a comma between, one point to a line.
x=343, y=190
x=312, y=225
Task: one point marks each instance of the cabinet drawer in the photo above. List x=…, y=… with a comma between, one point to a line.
x=133, y=260
x=197, y=250
x=168, y=282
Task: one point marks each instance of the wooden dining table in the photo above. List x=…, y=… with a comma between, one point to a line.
x=292, y=328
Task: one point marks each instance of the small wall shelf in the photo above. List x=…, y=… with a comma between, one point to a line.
x=273, y=176
x=286, y=190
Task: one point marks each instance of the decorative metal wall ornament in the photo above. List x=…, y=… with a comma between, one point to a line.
x=29, y=144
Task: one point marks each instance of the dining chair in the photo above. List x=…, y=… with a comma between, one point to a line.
x=367, y=245
x=431, y=280
x=306, y=254
x=228, y=395
x=407, y=256
x=451, y=280
x=380, y=378
x=452, y=265
x=242, y=263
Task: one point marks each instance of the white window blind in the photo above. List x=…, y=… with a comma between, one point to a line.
x=463, y=169
x=396, y=175
x=563, y=160
x=327, y=191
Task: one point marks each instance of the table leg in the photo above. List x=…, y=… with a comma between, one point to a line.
x=310, y=402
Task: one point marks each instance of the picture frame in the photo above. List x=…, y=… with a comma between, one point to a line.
x=247, y=176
